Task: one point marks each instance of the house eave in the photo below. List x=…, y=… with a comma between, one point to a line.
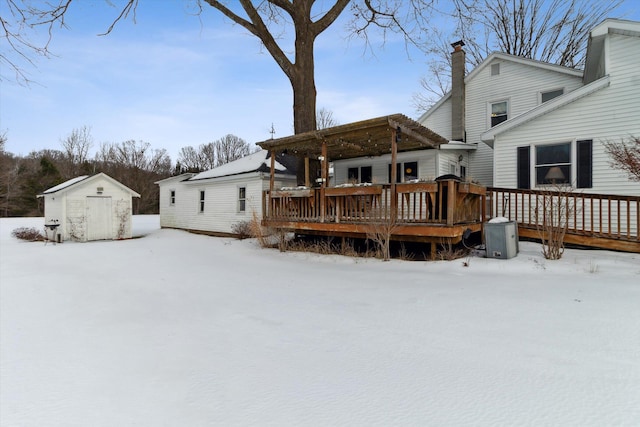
x=458, y=146
x=525, y=61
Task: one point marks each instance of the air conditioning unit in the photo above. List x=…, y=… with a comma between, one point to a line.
x=501, y=239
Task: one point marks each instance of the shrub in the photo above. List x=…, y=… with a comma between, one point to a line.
x=28, y=233
x=243, y=229
x=552, y=219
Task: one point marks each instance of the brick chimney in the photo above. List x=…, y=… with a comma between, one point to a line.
x=457, y=91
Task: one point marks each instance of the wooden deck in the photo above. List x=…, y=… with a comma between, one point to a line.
x=433, y=212
x=594, y=220
x=421, y=212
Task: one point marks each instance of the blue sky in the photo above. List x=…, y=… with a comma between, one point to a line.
x=174, y=80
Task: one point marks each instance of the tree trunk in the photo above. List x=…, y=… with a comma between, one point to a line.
x=303, y=83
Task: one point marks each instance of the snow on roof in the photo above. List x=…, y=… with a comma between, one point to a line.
x=65, y=184
x=250, y=163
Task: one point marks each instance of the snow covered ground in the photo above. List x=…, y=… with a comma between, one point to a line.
x=177, y=329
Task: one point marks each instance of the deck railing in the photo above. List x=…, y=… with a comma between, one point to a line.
x=446, y=202
x=603, y=216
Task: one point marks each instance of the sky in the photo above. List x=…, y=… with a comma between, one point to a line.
x=173, y=79
x=180, y=329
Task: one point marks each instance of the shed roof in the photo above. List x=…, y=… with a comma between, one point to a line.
x=65, y=184
x=85, y=179
x=370, y=137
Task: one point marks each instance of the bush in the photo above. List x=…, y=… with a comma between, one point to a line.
x=28, y=233
x=242, y=229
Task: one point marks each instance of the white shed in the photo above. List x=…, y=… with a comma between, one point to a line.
x=85, y=208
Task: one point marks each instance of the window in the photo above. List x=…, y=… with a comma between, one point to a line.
x=358, y=175
x=405, y=171
x=172, y=197
x=553, y=164
x=463, y=172
x=546, y=96
x=495, y=69
x=242, y=199
x=201, y=200
x=398, y=172
x=365, y=173
x=353, y=175
x=498, y=113
x=584, y=163
x=410, y=170
x=524, y=168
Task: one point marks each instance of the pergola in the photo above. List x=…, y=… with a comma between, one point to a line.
x=373, y=137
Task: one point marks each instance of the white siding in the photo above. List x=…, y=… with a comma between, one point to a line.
x=610, y=114
x=427, y=167
x=221, y=209
x=518, y=83
x=439, y=120
x=70, y=208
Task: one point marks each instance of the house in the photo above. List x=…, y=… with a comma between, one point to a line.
x=214, y=201
x=89, y=208
x=527, y=117
x=518, y=126
x=539, y=127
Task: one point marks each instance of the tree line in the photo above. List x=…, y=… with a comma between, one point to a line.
x=135, y=164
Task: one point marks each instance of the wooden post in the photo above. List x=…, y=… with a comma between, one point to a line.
x=323, y=162
x=394, y=168
x=307, y=181
x=272, y=176
x=452, y=191
x=272, y=179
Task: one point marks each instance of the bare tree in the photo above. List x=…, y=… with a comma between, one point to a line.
x=189, y=159
x=324, y=119
x=198, y=159
x=554, y=31
x=625, y=155
x=213, y=154
x=17, y=19
x=230, y=148
x=9, y=169
x=76, y=148
x=274, y=23
x=138, y=166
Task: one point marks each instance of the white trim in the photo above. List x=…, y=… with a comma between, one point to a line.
x=549, y=91
x=616, y=26
x=202, y=199
x=84, y=180
x=434, y=107
x=458, y=145
x=490, y=105
x=238, y=199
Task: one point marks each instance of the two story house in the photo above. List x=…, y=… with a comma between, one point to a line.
x=531, y=124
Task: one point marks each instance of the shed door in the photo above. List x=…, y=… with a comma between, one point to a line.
x=99, y=223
